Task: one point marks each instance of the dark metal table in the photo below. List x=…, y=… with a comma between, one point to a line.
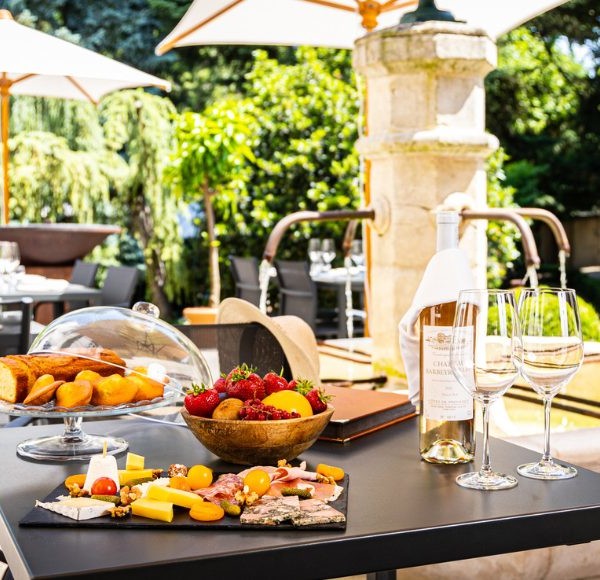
x=401, y=513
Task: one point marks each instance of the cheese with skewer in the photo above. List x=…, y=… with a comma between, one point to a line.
x=101, y=466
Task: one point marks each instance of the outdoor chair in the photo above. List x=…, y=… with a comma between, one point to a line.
x=16, y=326
x=119, y=286
x=245, y=277
x=298, y=296
x=84, y=273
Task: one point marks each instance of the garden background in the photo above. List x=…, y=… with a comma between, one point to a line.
x=250, y=134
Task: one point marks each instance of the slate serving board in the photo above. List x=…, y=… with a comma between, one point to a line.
x=181, y=521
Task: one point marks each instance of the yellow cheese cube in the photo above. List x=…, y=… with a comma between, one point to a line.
x=176, y=496
x=127, y=475
x=134, y=462
x=153, y=509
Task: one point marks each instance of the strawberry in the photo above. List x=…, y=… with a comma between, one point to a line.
x=220, y=385
x=243, y=383
x=201, y=400
x=275, y=382
x=318, y=400
x=303, y=386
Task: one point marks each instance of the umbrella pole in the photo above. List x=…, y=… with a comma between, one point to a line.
x=4, y=104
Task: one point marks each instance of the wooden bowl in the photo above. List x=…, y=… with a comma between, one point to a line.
x=257, y=442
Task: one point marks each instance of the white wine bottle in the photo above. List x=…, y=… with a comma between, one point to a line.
x=446, y=419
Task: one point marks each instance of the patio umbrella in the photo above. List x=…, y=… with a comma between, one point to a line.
x=38, y=64
x=329, y=23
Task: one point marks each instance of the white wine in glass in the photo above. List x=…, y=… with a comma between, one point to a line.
x=552, y=354
x=485, y=357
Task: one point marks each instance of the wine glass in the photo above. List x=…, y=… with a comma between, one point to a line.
x=356, y=253
x=315, y=255
x=485, y=357
x=552, y=354
x=328, y=252
x=10, y=259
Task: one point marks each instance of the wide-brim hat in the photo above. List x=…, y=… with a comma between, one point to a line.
x=295, y=336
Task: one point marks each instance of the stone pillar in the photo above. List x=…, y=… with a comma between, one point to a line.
x=426, y=139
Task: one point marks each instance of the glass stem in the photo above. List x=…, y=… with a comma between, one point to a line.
x=73, y=432
x=485, y=463
x=546, y=458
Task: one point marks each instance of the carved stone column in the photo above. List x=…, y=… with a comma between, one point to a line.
x=426, y=139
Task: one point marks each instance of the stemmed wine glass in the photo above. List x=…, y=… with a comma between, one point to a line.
x=552, y=354
x=356, y=253
x=328, y=252
x=10, y=258
x=485, y=357
x=314, y=255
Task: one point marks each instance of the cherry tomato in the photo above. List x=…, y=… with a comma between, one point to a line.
x=104, y=486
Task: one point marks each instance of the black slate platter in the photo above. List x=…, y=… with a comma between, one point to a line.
x=182, y=521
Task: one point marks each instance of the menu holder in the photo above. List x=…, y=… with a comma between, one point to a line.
x=359, y=412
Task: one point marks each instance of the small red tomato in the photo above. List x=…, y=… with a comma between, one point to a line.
x=104, y=486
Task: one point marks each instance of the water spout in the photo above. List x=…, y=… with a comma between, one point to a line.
x=532, y=258
x=264, y=275
x=562, y=268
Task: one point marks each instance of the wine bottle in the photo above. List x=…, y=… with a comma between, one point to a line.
x=446, y=419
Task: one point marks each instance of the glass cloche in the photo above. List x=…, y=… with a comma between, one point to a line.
x=137, y=345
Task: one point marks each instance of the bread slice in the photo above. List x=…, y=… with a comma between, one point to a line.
x=15, y=379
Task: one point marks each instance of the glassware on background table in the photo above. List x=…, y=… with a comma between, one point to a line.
x=356, y=253
x=327, y=252
x=10, y=259
x=315, y=255
x=485, y=357
x=552, y=354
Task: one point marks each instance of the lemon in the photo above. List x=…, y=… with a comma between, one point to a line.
x=289, y=401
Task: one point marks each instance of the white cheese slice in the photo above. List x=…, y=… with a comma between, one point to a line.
x=77, y=508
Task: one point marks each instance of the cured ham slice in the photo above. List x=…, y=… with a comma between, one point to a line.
x=322, y=491
x=285, y=473
x=226, y=486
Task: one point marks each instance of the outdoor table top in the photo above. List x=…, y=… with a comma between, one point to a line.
x=339, y=276
x=401, y=512
x=52, y=294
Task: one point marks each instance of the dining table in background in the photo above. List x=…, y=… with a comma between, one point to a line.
x=57, y=292
x=336, y=279
x=401, y=513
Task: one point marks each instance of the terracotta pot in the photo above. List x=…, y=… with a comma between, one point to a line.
x=200, y=314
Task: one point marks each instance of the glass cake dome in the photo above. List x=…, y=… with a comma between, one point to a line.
x=137, y=345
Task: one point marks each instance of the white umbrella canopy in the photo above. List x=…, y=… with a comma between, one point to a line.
x=38, y=64
x=329, y=23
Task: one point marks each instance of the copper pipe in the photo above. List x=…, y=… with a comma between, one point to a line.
x=309, y=216
x=349, y=235
x=551, y=221
x=532, y=257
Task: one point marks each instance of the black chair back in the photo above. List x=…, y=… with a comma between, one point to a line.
x=297, y=291
x=119, y=286
x=226, y=346
x=245, y=278
x=84, y=273
x=15, y=334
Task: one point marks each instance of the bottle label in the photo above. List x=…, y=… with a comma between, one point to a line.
x=443, y=397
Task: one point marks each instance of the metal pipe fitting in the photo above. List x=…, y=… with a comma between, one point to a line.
x=543, y=215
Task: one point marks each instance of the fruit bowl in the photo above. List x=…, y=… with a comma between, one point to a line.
x=257, y=442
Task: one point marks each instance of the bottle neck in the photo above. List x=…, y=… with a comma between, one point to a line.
x=447, y=236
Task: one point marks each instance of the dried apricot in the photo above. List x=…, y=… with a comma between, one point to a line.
x=78, y=478
x=330, y=471
x=206, y=511
x=180, y=482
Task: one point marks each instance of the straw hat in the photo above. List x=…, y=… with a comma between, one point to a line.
x=293, y=334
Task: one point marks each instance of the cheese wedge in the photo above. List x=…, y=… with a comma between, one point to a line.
x=153, y=509
x=101, y=466
x=127, y=475
x=77, y=508
x=134, y=462
x=178, y=497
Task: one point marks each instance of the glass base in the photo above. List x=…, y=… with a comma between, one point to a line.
x=546, y=470
x=489, y=481
x=60, y=448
